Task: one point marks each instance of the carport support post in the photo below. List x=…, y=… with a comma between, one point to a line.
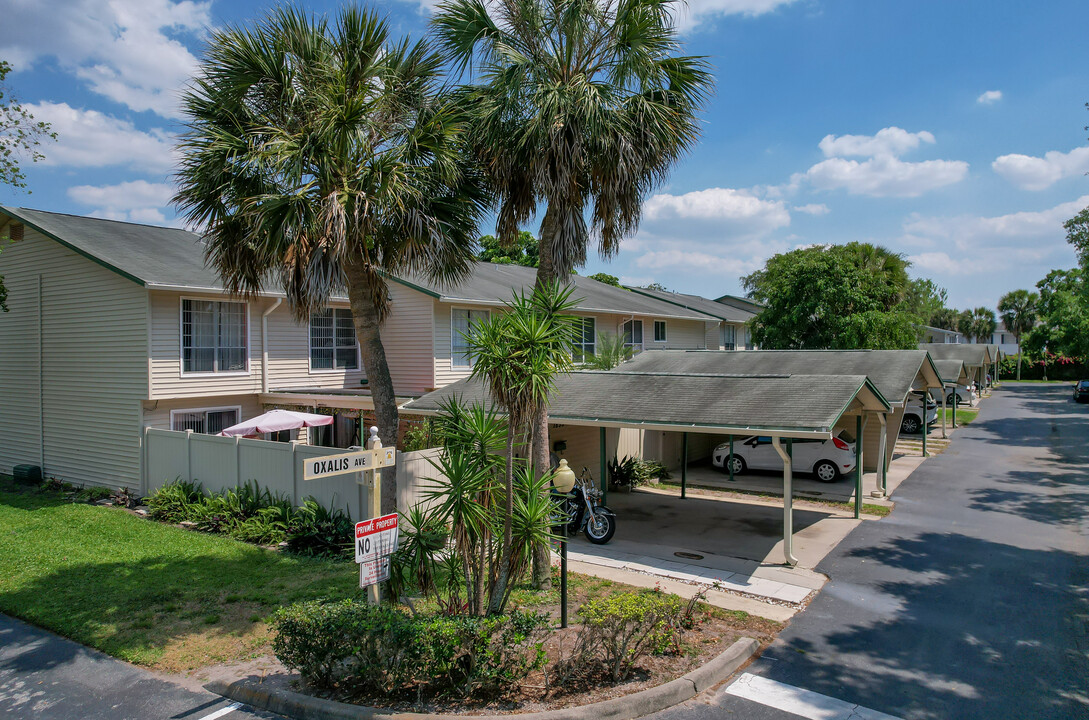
x=858, y=467
x=926, y=431
x=882, y=451
x=604, y=466
x=788, y=500
x=684, y=464
x=955, y=403
x=945, y=402
x=731, y=462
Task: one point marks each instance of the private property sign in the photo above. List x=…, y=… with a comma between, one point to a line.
x=357, y=461
x=375, y=540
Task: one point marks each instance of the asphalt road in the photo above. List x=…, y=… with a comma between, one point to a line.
x=972, y=599
x=45, y=677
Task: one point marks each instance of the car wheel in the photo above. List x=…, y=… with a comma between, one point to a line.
x=600, y=527
x=910, y=425
x=738, y=463
x=826, y=471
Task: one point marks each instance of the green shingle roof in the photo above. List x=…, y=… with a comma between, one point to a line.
x=971, y=354
x=745, y=403
x=893, y=372
x=729, y=313
x=951, y=370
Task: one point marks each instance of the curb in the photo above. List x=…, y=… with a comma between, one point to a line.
x=305, y=707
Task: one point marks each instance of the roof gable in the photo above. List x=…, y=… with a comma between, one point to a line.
x=722, y=311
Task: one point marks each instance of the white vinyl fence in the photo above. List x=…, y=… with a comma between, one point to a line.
x=219, y=462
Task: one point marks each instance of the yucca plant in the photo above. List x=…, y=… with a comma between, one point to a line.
x=610, y=352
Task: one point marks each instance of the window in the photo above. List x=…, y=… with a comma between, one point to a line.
x=213, y=336
x=729, y=337
x=462, y=321
x=585, y=345
x=659, y=331
x=332, y=340
x=633, y=334
x=209, y=421
x=748, y=339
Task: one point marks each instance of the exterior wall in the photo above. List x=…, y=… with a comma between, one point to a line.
x=713, y=336
x=408, y=337
x=680, y=335
x=78, y=409
x=157, y=412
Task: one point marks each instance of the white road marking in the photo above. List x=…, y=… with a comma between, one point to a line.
x=222, y=711
x=805, y=703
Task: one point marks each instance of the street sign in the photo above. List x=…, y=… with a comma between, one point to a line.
x=352, y=462
x=376, y=538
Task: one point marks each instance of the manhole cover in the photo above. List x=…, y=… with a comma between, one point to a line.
x=689, y=556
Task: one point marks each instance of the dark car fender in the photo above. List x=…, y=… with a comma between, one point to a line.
x=604, y=510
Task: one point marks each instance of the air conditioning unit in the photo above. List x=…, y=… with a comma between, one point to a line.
x=27, y=474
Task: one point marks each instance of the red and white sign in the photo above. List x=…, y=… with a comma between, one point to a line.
x=373, y=571
x=376, y=538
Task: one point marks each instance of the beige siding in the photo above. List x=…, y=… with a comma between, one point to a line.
x=167, y=379
x=93, y=373
x=407, y=336
x=713, y=336
x=157, y=412
x=445, y=372
x=289, y=353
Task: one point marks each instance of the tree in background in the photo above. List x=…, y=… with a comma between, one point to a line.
x=836, y=296
x=606, y=278
x=320, y=156
x=522, y=251
x=1018, y=309
x=946, y=319
x=978, y=324
x=927, y=301
x=1063, y=314
x=656, y=286
x=580, y=109
x=20, y=135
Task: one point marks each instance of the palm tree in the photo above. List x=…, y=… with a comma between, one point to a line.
x=1018, y=309
x=321, y=157
x=577, y=106
x=982, y=325
x=518, y=354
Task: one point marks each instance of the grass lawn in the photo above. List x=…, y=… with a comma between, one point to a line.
x=964, y=416
x=149, y=593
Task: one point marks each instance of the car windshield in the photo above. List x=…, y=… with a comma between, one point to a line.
x=846, y=436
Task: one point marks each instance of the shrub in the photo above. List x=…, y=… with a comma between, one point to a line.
x=621, y=629
x=318, y=530
x=172, y=502
x=360, y=648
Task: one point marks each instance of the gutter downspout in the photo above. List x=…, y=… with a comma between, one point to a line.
x=788, y=503
x=264, y=343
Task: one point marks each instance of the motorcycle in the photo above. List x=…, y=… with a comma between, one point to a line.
x=584, y=512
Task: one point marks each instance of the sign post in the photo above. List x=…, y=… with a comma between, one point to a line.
x=375, y=539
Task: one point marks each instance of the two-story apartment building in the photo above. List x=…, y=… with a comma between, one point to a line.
x=116, y=326
x=732, y=330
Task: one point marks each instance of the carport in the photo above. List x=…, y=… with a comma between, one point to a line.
x=784, y=407
x=954, y=373
x=975, y=357
x=895, y=374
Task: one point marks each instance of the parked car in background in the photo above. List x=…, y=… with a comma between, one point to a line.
x=919, y=407
x=962, y=396
x=826, y=459
x=1081, y=391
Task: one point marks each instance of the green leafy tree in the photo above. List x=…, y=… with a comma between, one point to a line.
x=522, y=251
x=946, y=319
x=656, y=286
x=1018, y=309
x=319, y=155
x=925, y=300
x=1063, y=316
x=519, y=354
x=978, y=324
x=20, y=135
x=839, y=296
x=606, y=278
x=579, y=108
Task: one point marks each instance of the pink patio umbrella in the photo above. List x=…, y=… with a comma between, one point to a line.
x=277, y=420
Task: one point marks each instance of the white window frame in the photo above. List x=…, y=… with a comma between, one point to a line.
x=205, y=410
x=582, y=335
x=453, y=334
x=732, y=330
x=664, y=332
x=642, y=334
x=181, y=339
x=310, y=349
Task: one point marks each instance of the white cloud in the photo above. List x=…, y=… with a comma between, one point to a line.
x=885, y=176
x=888, y=141
x=689, y=15
x=130, y=51
x=636, y=280
x=88, y=138
x=1035, y=173
x=135, y=201
x=990, y=97
x=695, y=261
x=813, y=209
x=723, y=211
x=974, y=244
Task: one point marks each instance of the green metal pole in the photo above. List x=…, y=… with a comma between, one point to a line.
x=925, y=431
x=731, y=463
x=604, y=467
x=955, y=396
x=858, y=468
x=684, y=465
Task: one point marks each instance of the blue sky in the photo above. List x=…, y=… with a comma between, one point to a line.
x=951, y=132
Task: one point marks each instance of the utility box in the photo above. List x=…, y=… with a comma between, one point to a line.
x=27, y=474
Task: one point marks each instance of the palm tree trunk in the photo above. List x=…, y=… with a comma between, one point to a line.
x=1018, y=359
x=546, y=272
x=365, y=291
x=499, y=590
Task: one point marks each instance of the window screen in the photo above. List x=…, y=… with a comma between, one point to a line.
x=205, y=421
x=633, y=334
x=214, y=336
x=659, y=331
x=332, y=340
x=585, y=345
x=462, y=321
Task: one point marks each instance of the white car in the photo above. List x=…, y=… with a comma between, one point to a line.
x=964, y=396
x=914, y=413
x=826, y=459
